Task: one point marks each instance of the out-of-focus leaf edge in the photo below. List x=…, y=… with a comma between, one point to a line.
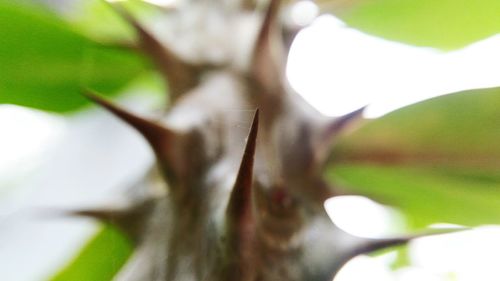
x=444, y=24
x=438, y=161
x=100, y=259
x=45, y=62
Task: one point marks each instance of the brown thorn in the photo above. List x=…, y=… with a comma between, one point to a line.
x=268, y=57
x=159, y=137
x=240, y=198
x=104, y=215
x=378, y=244
x=239, y=218
x=129, y=219
x=120, y=217
x=369, y=245
x=181, y=75
x=343, y=122
x=269, y=20
x=332, y=131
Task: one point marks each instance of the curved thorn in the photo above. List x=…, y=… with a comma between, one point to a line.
x=104, y=215
x=147, y=40
x=378, y=244
x=368, y=245
x=129, y=219
x=159, y=137
x=269, y=21
x=332, y=130
x=268, y=51
x=181, y=75
x=342, y=122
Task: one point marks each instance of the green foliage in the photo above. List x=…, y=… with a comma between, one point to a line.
x=436, y=160
x=45, y=63
x=101, y=258
x=444, y=24
x=425, y=195
x=459, y=129
x=88, y=18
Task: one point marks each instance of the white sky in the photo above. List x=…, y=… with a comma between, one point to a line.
x=339, y=69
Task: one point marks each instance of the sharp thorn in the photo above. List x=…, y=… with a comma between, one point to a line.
x=181, y=75
x=159, y=137
x=240, y=198
x=147, y=39
x=331, y=132
x=129, y=219
x=371, y=245
x=239, y=219
x=342, y=122
x=269, y=21
x=104, y=215
x=268, y=51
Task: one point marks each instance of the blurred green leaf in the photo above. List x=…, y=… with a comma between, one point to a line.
x=100, y=259
x=438, y=160
x=97, y=20
x=459, y=129
x=424, y=194
x=45, y=63
x=444, y=24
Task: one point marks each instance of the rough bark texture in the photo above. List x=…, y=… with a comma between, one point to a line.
x=241, y=155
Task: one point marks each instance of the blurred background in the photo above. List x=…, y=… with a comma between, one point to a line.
x=382, y=54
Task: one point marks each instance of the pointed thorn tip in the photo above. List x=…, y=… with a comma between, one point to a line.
x=268, y=53
x=157, y=135
x=240, y=198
